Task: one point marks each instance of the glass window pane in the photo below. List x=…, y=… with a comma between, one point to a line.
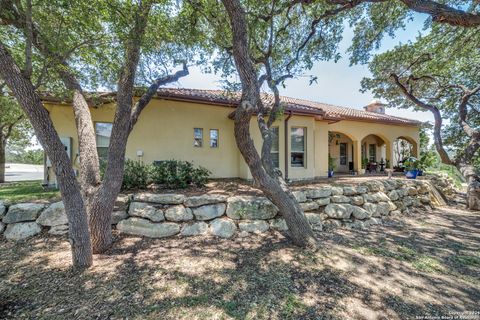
x=372, y=152
x=297, y=159
x=343, y=154
x=298, y=139
x=275, y=159
x=275, y=142
x=213, y=138
x=197, y=137
x=103, y=132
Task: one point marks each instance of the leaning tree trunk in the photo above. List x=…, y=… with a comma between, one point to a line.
x=31, y=104
x=275, y=189
x=473, y=182
x=2, y=159
x=299, y=228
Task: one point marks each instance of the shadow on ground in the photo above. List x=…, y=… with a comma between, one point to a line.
x=427, y=264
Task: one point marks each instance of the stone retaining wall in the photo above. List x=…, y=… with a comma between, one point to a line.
x=164, y=215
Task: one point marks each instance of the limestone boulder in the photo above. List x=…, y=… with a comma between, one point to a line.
x=147, y=211
x=374, y=185
x=393, y=195
x=223, y=228
x=278, y=224
x=361, y=189
x=165, y=198
x=340, y=199
x=309, y=206
x=253, y=226
x=58, y=230
x=372, y=221
x=336, y=191
x=383, y=208
x=412, y=191
x=315, y=221
x=322, y=201
x=357, y=200
x=322, y=192
x=23, y=212
x=339, y=210
x=209, y=212
x=357, y=225
x=22, y=230
x=54, y=215
x=143, y=227
x=370, y=207
x=360, y=213
x=250, y=208
x=197, y=201
x=407, y=201
x=178, y=213
x=2, y=227
x=300, y=196
x=121, y=203
x=349, y=190
x=118, y=216
x=194, y=228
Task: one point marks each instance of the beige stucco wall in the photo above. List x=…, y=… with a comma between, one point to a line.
x=165, y=131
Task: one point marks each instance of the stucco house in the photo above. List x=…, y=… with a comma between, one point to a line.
x=197, y=125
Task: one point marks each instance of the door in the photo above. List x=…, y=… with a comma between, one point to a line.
x=343, y=161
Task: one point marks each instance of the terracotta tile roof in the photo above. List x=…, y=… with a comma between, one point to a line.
x=326, y=111
x=231, y=99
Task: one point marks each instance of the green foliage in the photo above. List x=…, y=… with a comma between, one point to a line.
x=179, y=174
x=411, y=163
x=172, y=174
x=364, y=163
x=25, y=156
x=12, y=115
x=332, y=164
x=136, y=175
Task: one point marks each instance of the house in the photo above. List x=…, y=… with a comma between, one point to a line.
x=197, y=125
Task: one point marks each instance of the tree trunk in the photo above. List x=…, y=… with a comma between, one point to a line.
x=276, y=190
x=2, y=158
x=473, y=181
x=299, y=229
x=31, y=104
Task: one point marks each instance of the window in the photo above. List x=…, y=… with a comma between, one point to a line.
x=343, y=154
x=103, y=131
x=198, y=137
x=274, y=153
x=297, y=154
x=372, y=152
x=213, y=138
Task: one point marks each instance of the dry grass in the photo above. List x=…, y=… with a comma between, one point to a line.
x=421, y=265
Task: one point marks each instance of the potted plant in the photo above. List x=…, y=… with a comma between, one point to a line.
x=364, y=165
x=411, y=169
x=427, y=160
x=332, y=164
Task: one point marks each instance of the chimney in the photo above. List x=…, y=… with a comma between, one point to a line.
x=375, y=106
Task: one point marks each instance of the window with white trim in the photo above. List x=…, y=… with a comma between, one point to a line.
x=198, y=137
x=274, y=152
x=297, y=145
x=213, y=138
x=103, y=132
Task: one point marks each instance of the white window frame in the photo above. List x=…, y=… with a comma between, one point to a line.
x=304, y=152
x=218, y=138
x=195, y=145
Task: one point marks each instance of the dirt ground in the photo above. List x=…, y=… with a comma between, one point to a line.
x=412, y=267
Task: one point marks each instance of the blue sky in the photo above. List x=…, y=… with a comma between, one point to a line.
x=337, y=84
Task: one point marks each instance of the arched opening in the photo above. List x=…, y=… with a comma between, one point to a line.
x=403, y=148
x=340, y=152
x=374, y=154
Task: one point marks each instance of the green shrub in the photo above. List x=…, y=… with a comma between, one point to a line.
x=172, y=174
x=178, y=174
x=136, y=175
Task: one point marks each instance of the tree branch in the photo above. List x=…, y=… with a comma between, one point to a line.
x=436, y=114
x=152, y=90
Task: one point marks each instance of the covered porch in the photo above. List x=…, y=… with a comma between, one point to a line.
x=369, y=153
